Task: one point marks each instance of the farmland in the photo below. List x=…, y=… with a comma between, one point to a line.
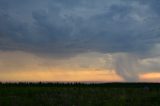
x=77, y=94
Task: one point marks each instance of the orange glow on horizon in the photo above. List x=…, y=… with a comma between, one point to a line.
x=150, y=77
x=62, y=76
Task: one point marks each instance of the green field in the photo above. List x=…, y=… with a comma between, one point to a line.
x=113, y=94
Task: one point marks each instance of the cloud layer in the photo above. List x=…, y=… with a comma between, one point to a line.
x=127, y=30
x=67, y=28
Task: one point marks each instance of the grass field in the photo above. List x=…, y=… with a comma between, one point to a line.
x=113, y=94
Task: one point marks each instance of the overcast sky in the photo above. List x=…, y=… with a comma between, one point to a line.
x=68, y=40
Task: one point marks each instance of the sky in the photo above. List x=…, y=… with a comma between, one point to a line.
x=80, y=40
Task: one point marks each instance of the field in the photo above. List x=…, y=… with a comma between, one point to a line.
x=111, y=94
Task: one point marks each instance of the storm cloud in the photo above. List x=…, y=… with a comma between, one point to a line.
x=60, y=27
x=65, y=28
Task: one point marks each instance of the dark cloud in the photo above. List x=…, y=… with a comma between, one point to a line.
x=63, y=28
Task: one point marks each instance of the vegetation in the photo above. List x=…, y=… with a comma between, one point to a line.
x=77, y=94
